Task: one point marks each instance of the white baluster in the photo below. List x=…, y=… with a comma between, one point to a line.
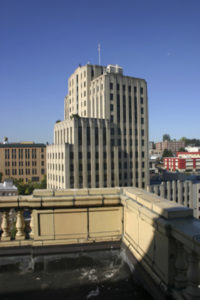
x=5, y=227
x=32, y=226
x=20, y=235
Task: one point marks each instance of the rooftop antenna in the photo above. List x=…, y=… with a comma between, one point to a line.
x=99, y=52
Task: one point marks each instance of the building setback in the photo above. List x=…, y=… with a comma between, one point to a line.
x=103, y=140
x=26, y=161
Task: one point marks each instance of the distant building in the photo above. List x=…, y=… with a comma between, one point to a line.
x=26, y=161
x=151, y=145
x=8, y=189
x=174, y=146
x=183, y=162
x=192, y=149
x=103, y=141
x=155, y=154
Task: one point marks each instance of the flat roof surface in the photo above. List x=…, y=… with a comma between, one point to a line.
x=19, y=145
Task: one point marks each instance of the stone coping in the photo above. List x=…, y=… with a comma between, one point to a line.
x=98, y=197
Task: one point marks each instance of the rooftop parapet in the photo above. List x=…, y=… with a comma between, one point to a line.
x=162, y=236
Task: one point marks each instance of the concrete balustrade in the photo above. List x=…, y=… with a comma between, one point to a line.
x=162, y=235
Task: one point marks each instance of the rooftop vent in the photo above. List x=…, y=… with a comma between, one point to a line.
x=114, y=69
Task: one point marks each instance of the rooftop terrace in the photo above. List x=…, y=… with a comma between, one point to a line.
x=158, y=239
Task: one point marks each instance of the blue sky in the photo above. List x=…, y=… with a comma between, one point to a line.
x=43, y=41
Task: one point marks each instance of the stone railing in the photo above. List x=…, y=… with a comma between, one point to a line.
x=163, y=236
x=62, y=217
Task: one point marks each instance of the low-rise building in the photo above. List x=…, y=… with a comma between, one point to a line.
x=8, y=189
x=173, y=146
x=192, y=149
x=25, y=161
x=183, y=162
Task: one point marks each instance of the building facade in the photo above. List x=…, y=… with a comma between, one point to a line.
x=26, y=161
x=173, y=146
x=183, y=162
x=103, y=140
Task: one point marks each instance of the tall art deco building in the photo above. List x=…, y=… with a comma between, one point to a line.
x=103, y=140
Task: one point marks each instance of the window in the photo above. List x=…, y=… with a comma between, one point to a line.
x=111, y=96
x=129, y=89
x=142, y=110
x=111, y=85
x=88, y=136
x=118, y=86
x=96, y=136
x=111, y=107
x=141, y=90
x=124, y=87
x=135, y=89
x=80, y=135
x=112, y=131
x=141, y=100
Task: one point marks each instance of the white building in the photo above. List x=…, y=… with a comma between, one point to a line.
x=103, y=140
x=8, y=189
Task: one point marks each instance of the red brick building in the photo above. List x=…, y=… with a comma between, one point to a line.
x=174, y=146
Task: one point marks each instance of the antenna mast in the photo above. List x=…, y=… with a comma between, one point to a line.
x=99, y=51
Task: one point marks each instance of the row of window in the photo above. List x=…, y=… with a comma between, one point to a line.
x=124, y=87
x=22, y=153
x=55, y=155
x=52, y=186
x=56, y=167
x=9, y=172
x=21, y=163
x=121, y=154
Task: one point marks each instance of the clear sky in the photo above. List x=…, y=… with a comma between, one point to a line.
x=43, y=41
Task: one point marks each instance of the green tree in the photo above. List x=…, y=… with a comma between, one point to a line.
x=167, y=153
x=43, y=183
x=166, y=137
x=182, y=149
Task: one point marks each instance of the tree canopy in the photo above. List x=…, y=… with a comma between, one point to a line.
x=27, y=188
x=166, y=137
x=167, y=153
x=191, y=142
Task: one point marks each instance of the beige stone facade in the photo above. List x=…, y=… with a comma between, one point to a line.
x=26, y=161
x=103, y=141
